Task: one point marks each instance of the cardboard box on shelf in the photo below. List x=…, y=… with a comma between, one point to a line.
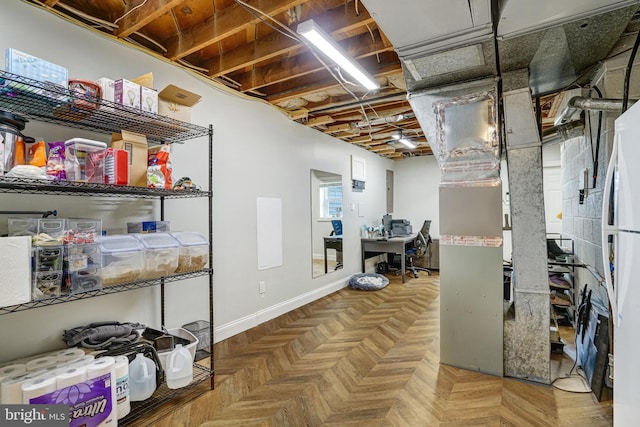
x=107, y=86
x=148, y=100
x=145, y=80
x=136, y=145
x=127, y=93
x=176, y=103
x=32, y=67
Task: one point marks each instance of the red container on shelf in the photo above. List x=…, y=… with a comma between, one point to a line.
x=116, y=167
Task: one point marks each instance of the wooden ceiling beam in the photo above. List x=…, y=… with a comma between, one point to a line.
x=298, y=114
x=301, y=65
x=382, y=150
x=360, y=139
x=234, y=19
x=374, y=142
x=338, y=128
x=141, y=16
x=297, y=89
x=319, y=121
x=337, y=22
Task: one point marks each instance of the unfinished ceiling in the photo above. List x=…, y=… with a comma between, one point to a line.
x=251, y=47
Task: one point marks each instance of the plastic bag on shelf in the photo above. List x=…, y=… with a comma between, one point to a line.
x=159, y=168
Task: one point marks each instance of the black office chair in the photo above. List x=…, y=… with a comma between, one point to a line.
x=337, y=227
x=418, y=250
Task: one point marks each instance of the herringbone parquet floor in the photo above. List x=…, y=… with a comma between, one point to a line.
x=369, y=359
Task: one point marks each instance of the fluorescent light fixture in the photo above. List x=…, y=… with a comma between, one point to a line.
x=407, y=143
x=312, y=32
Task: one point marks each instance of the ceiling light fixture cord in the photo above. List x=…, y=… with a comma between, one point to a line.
x=292, y=34
x=342, y=77
x=138, y=6
x=257, y=12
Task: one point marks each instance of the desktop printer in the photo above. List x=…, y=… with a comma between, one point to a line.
x=400, y=227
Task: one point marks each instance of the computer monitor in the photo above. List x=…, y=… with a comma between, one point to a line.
x=386, y=223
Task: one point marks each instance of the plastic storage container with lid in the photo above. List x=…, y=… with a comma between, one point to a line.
x=84, y=160
x=82, y=268
x=160, y=254
x=43, y=231
x=122, y=259
x=194, y=251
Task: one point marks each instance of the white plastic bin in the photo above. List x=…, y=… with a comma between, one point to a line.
x=182, y=333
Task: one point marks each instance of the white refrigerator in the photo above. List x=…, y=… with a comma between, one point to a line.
x=624, y=289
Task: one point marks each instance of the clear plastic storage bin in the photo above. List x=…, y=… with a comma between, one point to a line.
x=194, y=251
x=82, y=268
x=122, y=259
x=80, y=257
x=84, y=160
x=160, y=254
x=46, y=284
x=43, y=231
x=83, y=230
x=87, y=279
x=47, y=258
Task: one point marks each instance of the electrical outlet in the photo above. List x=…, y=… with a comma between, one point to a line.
x=262, y=287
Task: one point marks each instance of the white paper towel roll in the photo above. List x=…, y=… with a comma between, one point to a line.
x=99, y=368
x=41, y=363
x=67, y=377
x=12, y=370
x=15, y=275
x=37, y=387
x=69, y=355
x=11, y=388
x=81, y=361
x=122, y=386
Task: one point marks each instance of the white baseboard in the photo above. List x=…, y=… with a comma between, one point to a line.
x=230, y=329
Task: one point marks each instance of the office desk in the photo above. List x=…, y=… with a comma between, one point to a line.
x=333, y=242
x=392, y=245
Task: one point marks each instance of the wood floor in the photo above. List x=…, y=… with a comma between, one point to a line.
x=358, y=358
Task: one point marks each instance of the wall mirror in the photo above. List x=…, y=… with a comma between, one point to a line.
x=326, y=222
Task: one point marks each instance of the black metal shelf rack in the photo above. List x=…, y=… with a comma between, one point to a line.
x=103, y=291
x=44, y=102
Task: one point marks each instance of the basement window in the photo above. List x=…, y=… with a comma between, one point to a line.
x=330, y=200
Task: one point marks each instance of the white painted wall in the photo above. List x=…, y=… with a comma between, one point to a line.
x=552, y=185
x=416, y=192
x=258, y=153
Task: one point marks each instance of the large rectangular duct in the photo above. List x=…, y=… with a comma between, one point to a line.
x=460, y=125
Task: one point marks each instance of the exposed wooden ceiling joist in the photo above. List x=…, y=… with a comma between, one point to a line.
x=248, y=52
x=233, y=20
x=137, y=16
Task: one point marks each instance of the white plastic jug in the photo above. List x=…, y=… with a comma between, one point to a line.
x=179, y=368
x=142, y=378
